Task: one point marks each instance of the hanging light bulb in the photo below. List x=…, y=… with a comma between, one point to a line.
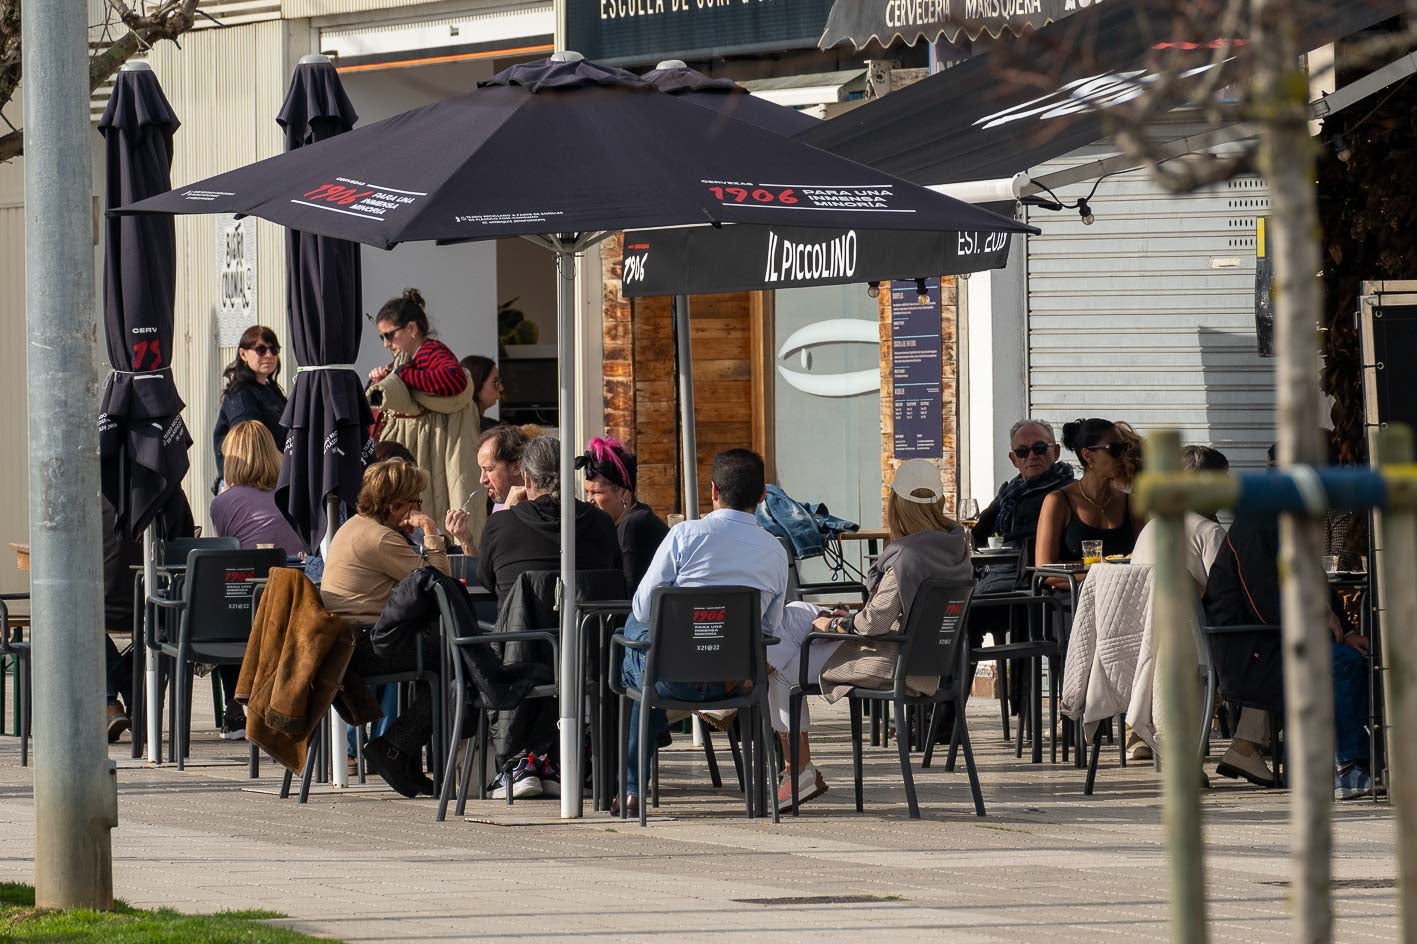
x=873, y=289
x=1341, y=149
x=922, y=294
x=1085, y=212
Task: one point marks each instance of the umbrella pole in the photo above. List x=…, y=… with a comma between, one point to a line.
x=339, y=731
x=569, y=693
x=152, y=689
x=690, y=436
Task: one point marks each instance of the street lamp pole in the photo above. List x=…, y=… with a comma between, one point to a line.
x=74, y=781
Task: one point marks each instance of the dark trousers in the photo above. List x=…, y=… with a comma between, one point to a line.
x=414, y=726
x=119, y=677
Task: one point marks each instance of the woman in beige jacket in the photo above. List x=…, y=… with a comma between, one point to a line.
x=428, y=406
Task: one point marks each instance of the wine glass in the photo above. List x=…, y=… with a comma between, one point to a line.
x=968, y=513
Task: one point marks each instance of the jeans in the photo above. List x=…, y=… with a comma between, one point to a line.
x=1350, y=705
x=633, y=676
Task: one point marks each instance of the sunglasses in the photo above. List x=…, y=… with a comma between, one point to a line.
x=1038, y=449
x=262, y=350
x=387, y=336
x=1115, y=450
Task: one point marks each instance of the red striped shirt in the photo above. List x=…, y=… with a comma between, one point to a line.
x=434, y=369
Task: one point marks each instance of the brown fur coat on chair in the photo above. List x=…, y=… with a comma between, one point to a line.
x=293, y=668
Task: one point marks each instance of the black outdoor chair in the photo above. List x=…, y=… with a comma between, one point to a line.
x=700, y=635
x=460, y=642
x=166, y=554
x=323, y=754
x=1037, y=647
x=934, y=644
x=214, y=624
x=1241, y=680
x=13, y=646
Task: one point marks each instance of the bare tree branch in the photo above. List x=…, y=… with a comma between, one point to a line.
x=142, y=30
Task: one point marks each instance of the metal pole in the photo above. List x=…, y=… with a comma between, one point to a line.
x=690, y=437
x=1280, y=98
x=74, y=781
x=1397, y=596
x=569, y=694
x=339, y=731
x=152, y=687
x=1174, y=603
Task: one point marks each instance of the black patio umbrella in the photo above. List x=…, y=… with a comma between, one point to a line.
x=564, y=151
x=727, y=98
x=327, y=416
x=142, y=439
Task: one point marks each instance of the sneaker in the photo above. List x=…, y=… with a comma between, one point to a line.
x=1351, y=781
x=550, y=778
x=810, y=785
x=398, y=768
x=1238, y=765
x=233, y=723
x=117, y=722
x=525, y=782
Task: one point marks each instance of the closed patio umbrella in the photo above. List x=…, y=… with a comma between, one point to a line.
x=327, y=415
x=142, y=439
x=563, y=151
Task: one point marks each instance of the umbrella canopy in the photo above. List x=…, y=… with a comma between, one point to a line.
x=562, y=151
x=142, y=440
x=327, y=415
x=727, y=98
x=564, y=147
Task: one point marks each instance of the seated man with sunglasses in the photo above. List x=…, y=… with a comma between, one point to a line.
x=1014, y=513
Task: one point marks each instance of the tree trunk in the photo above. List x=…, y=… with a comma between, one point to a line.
x=1287, y=160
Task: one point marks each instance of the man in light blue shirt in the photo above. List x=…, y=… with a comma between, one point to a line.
x=726, y=547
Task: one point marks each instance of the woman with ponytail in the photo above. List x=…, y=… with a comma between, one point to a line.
x=427, y=404
x=1094, y=508
x=610, y=486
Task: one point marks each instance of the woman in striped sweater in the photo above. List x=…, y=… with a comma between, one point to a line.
x=427, y=405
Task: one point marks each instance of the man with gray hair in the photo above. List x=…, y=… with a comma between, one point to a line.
x=528, y=537
x=1033, y=450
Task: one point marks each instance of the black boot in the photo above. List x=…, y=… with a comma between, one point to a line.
x=400, y=769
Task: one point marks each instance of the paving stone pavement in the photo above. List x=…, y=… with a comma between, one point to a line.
x=364, y=865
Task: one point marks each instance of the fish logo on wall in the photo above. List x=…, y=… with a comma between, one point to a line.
x=833, y=331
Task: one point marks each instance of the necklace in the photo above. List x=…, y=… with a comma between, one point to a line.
x=1092, y=501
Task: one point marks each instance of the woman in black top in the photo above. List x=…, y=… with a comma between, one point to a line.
x=486, y=386
x=1092, y=508
x=610, y=486
x=252, y=392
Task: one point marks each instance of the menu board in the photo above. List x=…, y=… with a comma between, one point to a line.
x=915, y=370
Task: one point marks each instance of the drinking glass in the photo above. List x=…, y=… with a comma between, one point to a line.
x=968, y=513
x=1331, y=563
x=1092, y=552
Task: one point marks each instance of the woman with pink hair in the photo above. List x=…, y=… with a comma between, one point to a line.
x=610, y=486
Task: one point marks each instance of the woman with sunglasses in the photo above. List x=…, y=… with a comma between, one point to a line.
x=1093, y=508
x=426, y=401
x=252, y=392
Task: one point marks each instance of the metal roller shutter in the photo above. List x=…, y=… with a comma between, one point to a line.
x=1148, y=314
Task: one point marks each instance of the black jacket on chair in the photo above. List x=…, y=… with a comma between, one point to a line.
x=531, y=604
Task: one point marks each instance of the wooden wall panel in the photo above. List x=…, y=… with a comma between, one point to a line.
x=732, y=381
